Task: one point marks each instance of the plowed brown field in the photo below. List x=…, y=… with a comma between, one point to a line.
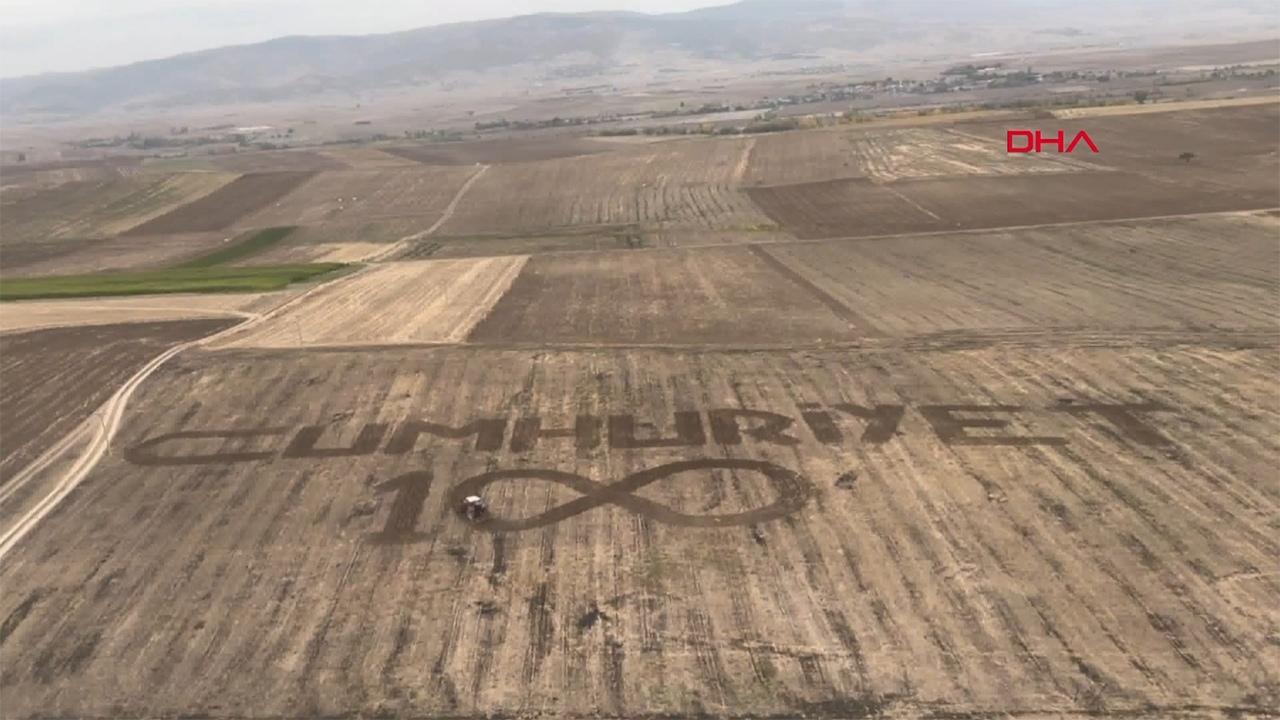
x=222, y=208
x=98, y=209
x=487, y=152
x=72, y=257
x=695, y=296
x=859, y=208
x=1235, y=147
x=53, y=379
x=365, y=195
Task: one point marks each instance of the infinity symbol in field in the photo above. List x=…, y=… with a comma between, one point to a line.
x=793, y=493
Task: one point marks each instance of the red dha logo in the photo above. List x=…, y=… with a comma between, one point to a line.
x=1040, y=141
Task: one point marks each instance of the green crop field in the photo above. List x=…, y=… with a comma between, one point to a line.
x=175, y=280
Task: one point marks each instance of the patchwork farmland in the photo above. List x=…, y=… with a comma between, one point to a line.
x=838, y=423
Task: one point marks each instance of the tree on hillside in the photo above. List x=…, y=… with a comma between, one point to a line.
x=1187, y=157
x=1141, y=96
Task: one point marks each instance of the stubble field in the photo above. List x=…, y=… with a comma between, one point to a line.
x=679, y=184
x=395, y=303
x=1007, y=449
x=314, y=565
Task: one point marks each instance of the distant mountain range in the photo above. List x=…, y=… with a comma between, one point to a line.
x=583, y=45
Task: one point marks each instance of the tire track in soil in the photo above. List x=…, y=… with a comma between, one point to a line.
x=759, y=653
x=1178, y=590
x=1028, y=538
x=542, y=629
x=701, y=637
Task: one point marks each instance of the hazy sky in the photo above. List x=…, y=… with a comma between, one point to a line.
x=56, y=35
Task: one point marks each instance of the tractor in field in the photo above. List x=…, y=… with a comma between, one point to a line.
x=474, y=508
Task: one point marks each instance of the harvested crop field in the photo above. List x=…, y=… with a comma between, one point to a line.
x=394, y=303
x=890, y=154
x=1177, y=274
x=222, y=208
x=681, y=296
x=1107, y=551
x=257, y=162
x=859, y=208
x=1019, y=464
x=795, y=157
x=54, y=378
x=365, y=195
x=1235, y=147
x=489, y=152
x=32, y=314
x=915, y=153
x=684, y=184
x=530, y=203
x=369, y=158
x=98, y=209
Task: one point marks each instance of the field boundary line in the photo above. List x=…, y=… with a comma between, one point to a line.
x=842, y=311
x=943, y=340
x=406, y=241
x=491, y=298
x=109, y=417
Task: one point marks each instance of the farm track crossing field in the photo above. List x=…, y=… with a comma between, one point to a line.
x=53, y=379
x=401, y=302
x=222, y=208
x=693, y=296
x=315, y=566
x=98, y=209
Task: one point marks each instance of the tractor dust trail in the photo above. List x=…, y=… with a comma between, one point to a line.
x=406, y=242
x=105, y=423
